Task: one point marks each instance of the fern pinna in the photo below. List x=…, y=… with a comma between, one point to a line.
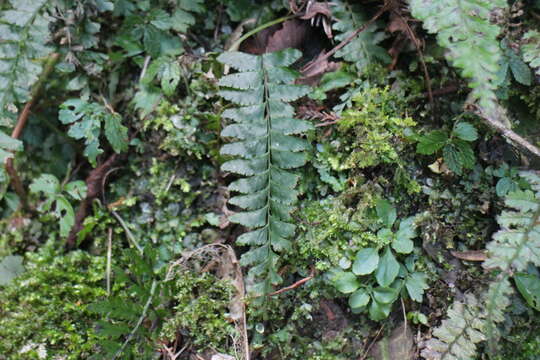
x=267, y=149
x=514, y=247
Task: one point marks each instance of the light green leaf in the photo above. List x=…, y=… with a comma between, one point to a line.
x=10, y=267
x=366, y=261
x=379, y=311
x=116, y=133
x=432, y=142
x=386, y=212
x=170, y=76
x=359, y=298
x=346, y=282
x=388, y=269
x=47, y=184
x=77, y=189
x=64, y=211
x=465, y=131
x=416, y=283
x=385, y=295
x=402, y=242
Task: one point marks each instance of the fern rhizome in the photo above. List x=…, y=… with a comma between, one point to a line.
x=267, y=149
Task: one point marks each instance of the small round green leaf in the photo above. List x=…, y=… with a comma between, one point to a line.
x=366, y=261
x=346, y=282
x=359, y=299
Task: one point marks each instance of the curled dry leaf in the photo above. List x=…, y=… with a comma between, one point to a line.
x=313, y=74
x=319, y=13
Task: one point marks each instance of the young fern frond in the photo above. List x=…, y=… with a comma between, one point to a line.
x=267, y=149
x=24, y=32
x=514, y=246
x=463, y=27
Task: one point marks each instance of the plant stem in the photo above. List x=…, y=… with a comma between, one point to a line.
x=16, y=181
x=237, y=43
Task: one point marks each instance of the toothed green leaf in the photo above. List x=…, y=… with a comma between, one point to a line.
x=267, y=145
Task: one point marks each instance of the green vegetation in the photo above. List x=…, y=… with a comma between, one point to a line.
x=270, y=180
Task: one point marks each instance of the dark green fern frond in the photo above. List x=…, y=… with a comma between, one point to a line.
x=24, y=33
x=463, y=27
x=364, y=49
x=267, y=149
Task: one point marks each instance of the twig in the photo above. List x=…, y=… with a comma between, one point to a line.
x=21, y=123
x=139, y=322
x=371, y=344
x=348, y=39
x=296, y=284
x=129, y=234
x=416, y=42
x=505, y=131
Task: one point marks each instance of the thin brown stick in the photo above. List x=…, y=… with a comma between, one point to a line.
x=363, y=357
x=296, y=284
x=348, y=39
x=416, y=43
x=16, y=181
x=499, y=126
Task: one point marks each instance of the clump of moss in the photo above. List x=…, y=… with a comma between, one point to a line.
x=44, y=312
x=373, y=129
x=200, y=313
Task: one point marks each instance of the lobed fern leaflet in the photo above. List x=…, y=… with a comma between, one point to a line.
x=364, y=49
x=24, y=31
x=267, y=149
x=531, y=49
x=513, y=247
x=463, y=27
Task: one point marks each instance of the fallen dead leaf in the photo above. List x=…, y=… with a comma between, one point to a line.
x=291, y=35
x=397, y=346
x=313, y=74
x=471, y=255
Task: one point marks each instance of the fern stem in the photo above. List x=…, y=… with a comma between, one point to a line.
x=139, y=322
x=269, y=147
x=238, y=42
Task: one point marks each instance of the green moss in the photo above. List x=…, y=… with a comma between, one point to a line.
x=200, y=312
x=375, y=129
x=45, y=309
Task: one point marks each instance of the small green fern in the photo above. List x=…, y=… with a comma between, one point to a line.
x=463, y=27
x=514, y=246
x=267, y=149
x=364, y=49
x=24, y=33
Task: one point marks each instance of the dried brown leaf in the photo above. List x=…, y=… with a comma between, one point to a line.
x=291, y=35
x=399, y=345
